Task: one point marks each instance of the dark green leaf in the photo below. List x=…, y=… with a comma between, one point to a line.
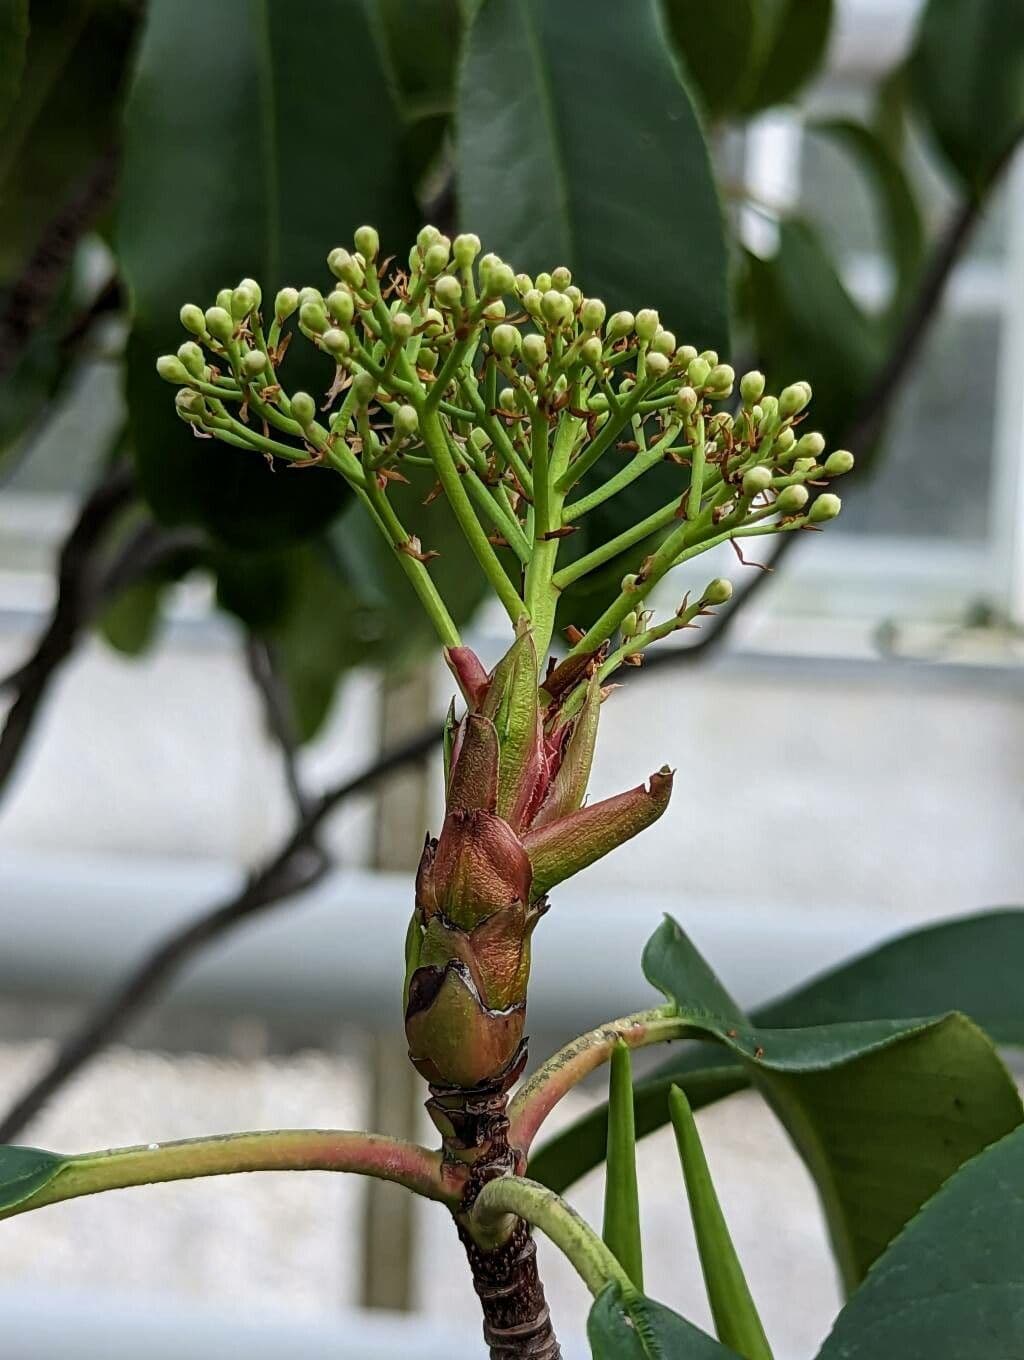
x=13, y=41
x=237, y=163
x=640, y=1329
x=621, y=1230
x=968, y=76
x=25, y=1170
x=901, y=218
x=422, y=42
x=882, y=1111
x=718, y=45
x=794, y=37
x=972, y=965
x=951, y=1286
x=130, y=622
x=578, y=145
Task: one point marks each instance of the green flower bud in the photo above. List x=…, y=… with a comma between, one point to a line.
x=505, y=341
x=657, y=364
x=219, y=324
x=254, y=289
x=192, y=357
x=435, y=261
x=543, y=282
x=523, y=284
x=285, y=303
x=336, y=342
x=406, y=421
x=718, y=591
x=592, y=314
x=697, y=371
x=448, y=290
x=313, y=317
x=499, y=280
x=598, y=402
x=310, y=295
x=426, y=237
x=494, y=311
x=664, y=342
x=647, y=323
x=480, y=439
x=791, y=500
x=811, y=444
x=427, y=360
x=224, y=297
x=346, y=267
x=172, y=370
x=685, y=355
x=826, y=507
x=630, y=624
x=367, y=242
x=402, y=325
x=341, y=306
x=710, y=357
x=591, y=351
x=756, y=480
x=804, y=465
x=535, y=351
x=465, y=249
x=574, y=295
x=190, y=405
x=364, y=385
x=304, y=409
x=621, y=323
x=785, y=439
x=487, y=263
x=629, y=583
x=192, y=318
x=752, y=387
x=721, y=379
x=839, y=462
x=532, y=299
x=561, y=278
x=556, y=308
x=686, y=401
x=433, y=322
x=793, y=399
x=254, y=363
x=507, y=399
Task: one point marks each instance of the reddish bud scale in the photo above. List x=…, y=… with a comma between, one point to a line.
x=514, y=827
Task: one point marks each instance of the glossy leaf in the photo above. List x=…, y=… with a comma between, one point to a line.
x=13, y=42
x=792, y=45
x=621, y=1230
x=968, y=79
x=237, y=164
x=736, y=1319
x=952, y=1284
x=640, y=1329
x=882, y=1111
x=718, y=49
x=25, y=1170
x=900, y=215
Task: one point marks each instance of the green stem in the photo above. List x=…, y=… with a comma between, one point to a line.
x=600, y=444
x=368, y=1154
x=541, y=1207
x=636, y=467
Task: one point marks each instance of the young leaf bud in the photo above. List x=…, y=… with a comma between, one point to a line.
x=336, y=342
x=826, y=507
x=402, y=326
x=192, y=318
x=254, y=363
x=836, y=464
x=543, y=282
x=499, y=280
x=313, y=317
x=697, y=371
x=752, y=388
x=465, y=249
x=172, y=370
x=285, y=303
x=219, y=324
x=304, y=409
x=657, y=364
x=192, y=357
x=435, y=260
x=686, y=401
x=505, y=341
x=811, y=444
x=647, y=323
x=341, y=306
x=367, y=242
x=718, y=591
x=561, y=278
x=791, y=500
x=621, y=323
x=664, y=342
x=793, y=399
x=407, y=422
x=592, y=314
x=535, y=351
x=721, y=379
x=756, y=480
x=448, y=290
x=591, y=351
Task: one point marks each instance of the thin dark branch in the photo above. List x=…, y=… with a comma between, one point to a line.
x=263, y=667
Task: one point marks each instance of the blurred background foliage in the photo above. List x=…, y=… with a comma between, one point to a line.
x=153, y=151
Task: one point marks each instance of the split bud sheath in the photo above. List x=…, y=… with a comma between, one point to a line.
x=514, y=827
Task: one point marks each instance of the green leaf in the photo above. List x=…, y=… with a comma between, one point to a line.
x=794, y=35
x=236, y=164
x=621, y=1198
x=421, y=38
x=951, y=1285
x=882, y=1111
x=972, y=965
x=967, y=69
x=901, y=217
x=637, y=1328
x=736, y=1319
x=13, y=41
x=579, y=145
x=718, y=49
x=25, y=1170
x=130, y=622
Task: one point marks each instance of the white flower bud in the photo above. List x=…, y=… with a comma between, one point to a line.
x=686, y=401
x=402, y=326
x=621, y=323
x=172, y=370
x=535, y=351
x=647, y=323
x=664, y=342
x=192, y=318
x=336, y=342
x=657, y=364
x=756, y=480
